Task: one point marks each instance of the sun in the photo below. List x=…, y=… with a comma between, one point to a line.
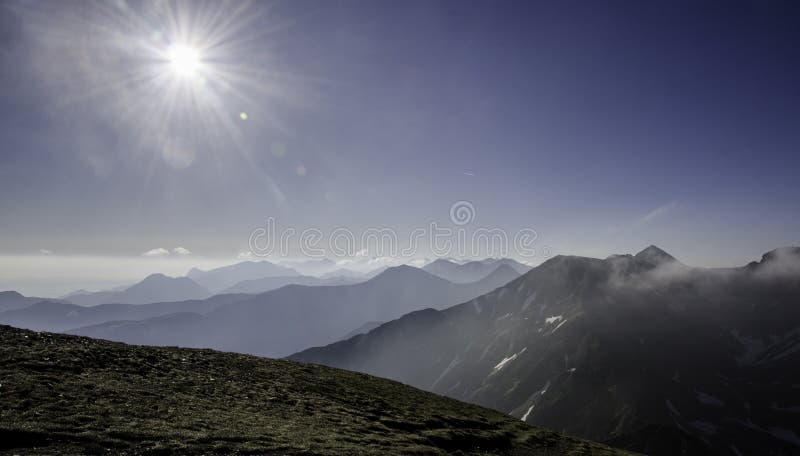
x=183, y=59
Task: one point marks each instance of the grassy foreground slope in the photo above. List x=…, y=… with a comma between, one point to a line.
x=67, y=394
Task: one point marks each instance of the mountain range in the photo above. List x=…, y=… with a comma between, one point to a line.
x=224, y=277
x=265, y=284
x=244, y=277
x=470, y=271
x=59, y=316
x=294, y=317
x=350, y=274
x=639, y=351
x=154, y=288
x=12, y=300
x=314, y=267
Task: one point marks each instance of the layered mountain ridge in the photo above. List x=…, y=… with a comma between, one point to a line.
x=221, y=278
x=470, y=271
x=294, y=317
x=154, y=288
x=637, y=350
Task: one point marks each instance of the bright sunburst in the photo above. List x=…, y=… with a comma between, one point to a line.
x=172, y=77
x=184, y=60
x=179, y=82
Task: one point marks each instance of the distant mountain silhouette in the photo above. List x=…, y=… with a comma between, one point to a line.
x=470, y=271
x=363, y=329
x=59, y=316
x=82, y=291
x=283, y=321
x=514, y=264
x=653, y=256
x=638, y=351
x=154, y=288
x=224, y=277
x=313, y=267
x=503, y=273
x=271, y=283
x=11, y=300
x=344, y=272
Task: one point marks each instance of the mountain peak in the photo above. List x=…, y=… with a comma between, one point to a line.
x=503, y=267
x=781, y=252
x=783, y=260
x=503, y=270
x=442, y=261
x=403, y=272
x=401, y=269
x=156, y=277
x=654, y=255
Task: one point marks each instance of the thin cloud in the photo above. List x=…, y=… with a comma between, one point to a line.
x=181, y=251
x=384, y=260
x=658, y=212
x=158, y=252
x=419, y=262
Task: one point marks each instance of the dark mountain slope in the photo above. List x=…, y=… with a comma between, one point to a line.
x=72, y=395
x=363, y=329
x=641, y=351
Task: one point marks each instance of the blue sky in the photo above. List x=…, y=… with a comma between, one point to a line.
x=604, y=126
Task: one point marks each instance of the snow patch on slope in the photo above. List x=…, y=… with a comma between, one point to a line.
x=529, y=301
x=551, y=320
x=525, y=416
x=507, y=360
x=452, y=364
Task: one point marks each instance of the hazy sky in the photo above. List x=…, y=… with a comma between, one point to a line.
x=604, y=126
